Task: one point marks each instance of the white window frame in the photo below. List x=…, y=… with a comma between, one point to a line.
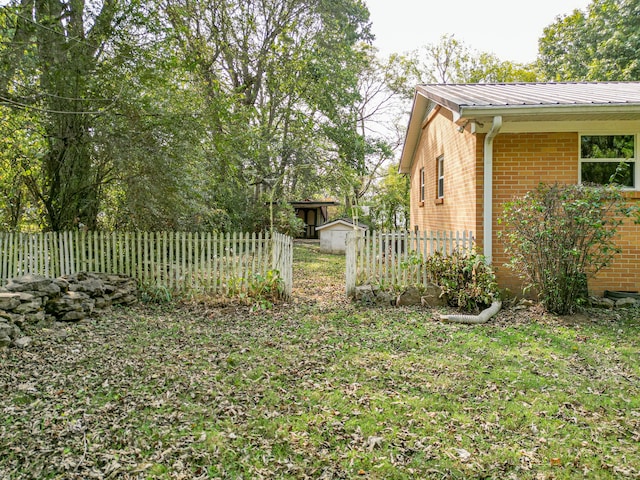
x=422, y=184
x=440, y=177
x=633, y=160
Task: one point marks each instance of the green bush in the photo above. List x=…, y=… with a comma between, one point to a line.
x=466, y=279
x=558, y=236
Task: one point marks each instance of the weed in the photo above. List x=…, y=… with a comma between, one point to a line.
x=151, y=293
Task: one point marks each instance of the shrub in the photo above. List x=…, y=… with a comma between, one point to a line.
x=558, y=236
x=466, y=279
x=265, y=289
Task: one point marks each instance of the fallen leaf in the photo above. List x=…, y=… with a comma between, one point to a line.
x=373, y=442
x=463, y=454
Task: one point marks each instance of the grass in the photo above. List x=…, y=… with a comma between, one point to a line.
x=322, y=388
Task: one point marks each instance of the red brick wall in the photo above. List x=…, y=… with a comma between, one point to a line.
x=457, y=211
x=624, y=272
x=521, y=161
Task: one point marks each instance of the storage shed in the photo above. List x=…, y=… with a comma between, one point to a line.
x=313, y=213
x=333, y=235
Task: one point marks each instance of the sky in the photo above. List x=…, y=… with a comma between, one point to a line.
x=508, y=28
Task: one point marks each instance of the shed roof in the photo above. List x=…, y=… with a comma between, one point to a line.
x=344, y=222
x=313, y=203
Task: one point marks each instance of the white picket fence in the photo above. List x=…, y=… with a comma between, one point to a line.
x=178, y=261
x=392, y=258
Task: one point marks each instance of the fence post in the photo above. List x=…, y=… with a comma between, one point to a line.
x=351, y=258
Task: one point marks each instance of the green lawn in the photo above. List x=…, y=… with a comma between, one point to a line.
x=322, y=388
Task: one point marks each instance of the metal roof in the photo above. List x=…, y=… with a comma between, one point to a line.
x=456, y=96
x=521, y=104
x=313, y=203
x=343, y=221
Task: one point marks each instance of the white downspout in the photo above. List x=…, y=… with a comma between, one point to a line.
x=488, y=187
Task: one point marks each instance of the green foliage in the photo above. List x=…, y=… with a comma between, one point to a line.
x=260, y=291
x=173, y=115
x=159, y=294
x=451, y=61
x=466, y=279
x=558, y=236
x=265, y=290
x=284, y=218
x=287, y=222
x=600, y=43
x=390, y=201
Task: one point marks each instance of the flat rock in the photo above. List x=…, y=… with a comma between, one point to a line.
x=125, y=300
x=6, y=329
x=35, y=317
x=91, y=286
x=62, y=284
x=23, y=342
x=28, y=283
x=602, y=302
x=626, y=302
x=29, y=307
x=73, y=316
x=411, y=296
x=9, y=301
x=432, y=296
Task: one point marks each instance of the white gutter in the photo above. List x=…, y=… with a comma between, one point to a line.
x=536, y=110
x=488, y=187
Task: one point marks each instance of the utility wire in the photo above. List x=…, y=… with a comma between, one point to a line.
x=53, y=95
x=79, y=40
x=24, y=106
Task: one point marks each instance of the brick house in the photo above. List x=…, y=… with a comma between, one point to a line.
x=471, y=148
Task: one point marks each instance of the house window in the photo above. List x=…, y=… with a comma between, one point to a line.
x=441, y=176
x=608, y=159
x=422, y=183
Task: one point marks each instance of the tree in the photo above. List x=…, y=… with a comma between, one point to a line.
x=287, y=71
x=390, y=201
x=49, y=71
x=601, y=43
x=451, y=61
x=105, y=129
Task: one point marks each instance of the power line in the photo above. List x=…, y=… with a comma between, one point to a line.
x=24, y=106
x=79, y=40
x=38, y=92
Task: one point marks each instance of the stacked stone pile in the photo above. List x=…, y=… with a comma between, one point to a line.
x=37, y=300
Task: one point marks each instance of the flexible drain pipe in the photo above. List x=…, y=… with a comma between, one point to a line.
x=483, y=317
x=488, y=187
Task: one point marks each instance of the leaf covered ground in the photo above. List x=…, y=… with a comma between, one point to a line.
x=322, y=388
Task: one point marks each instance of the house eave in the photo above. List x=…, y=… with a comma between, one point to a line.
x=414, y=130
x=482, y=116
